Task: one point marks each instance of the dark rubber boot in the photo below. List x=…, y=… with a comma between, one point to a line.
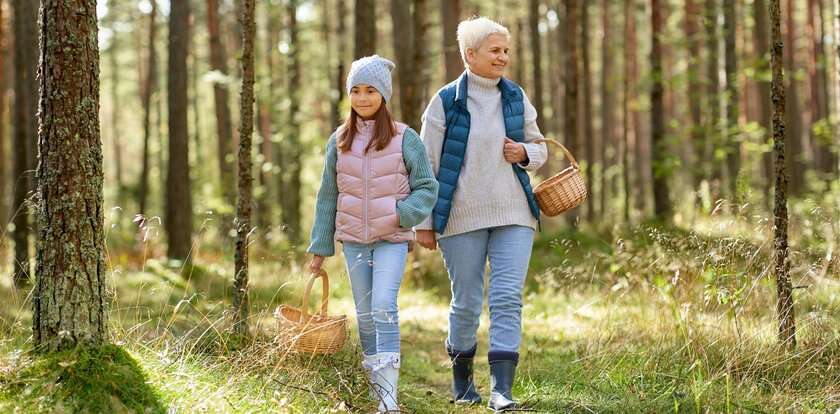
x=502, y=373
x=463, y=387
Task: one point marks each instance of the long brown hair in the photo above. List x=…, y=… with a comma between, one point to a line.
x=384, y=130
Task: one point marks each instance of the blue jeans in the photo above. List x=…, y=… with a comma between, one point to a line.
x=509, y=251
x=376, y=271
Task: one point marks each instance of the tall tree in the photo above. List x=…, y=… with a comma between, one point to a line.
x=450, y=16
x=243, y=205
x=733, y=136
x=607, y=111
x=364, y=28
x=695, y=105
x=784, y=303
x=536, y=52
x=661, y=194
x=713, y=103
x=762, y=50
x=570, y=99
x=113, y=60
x=338, y=81
x=628, y=120
x=224, y=127
x=795, y=154
x=178, y=198
x=588, y=127
x=290, y=174
x=148, y=90
x=3, y=176
x=823, y=153
x=403, y=40
x=267, y=125
x=25, y=129
x=69, y=303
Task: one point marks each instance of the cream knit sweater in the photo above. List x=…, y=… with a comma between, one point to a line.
x=488, y=192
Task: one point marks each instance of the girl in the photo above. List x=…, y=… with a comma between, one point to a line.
x=376, y=185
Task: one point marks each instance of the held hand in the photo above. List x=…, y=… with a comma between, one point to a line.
x=315, y=264
x=514, y=152
x=426, y=238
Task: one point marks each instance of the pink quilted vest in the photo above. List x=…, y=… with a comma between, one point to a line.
x=369, y=186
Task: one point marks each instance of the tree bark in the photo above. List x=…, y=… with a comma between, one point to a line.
x=224, y=127
x=149, y=89
x=608, y=147
x=713, y=121
x=589, y=137
x=659, y=170
x=762, y=50
x=113, y=51
x=291, y=148
x=364, y=28
x=403, y=40
x=795, y=154
x=784, y=304
x=69, y=303
x=627, y=118
x=451, y=16
x=824, y=156
x=267, y=127
x=243, y=205
x=24, y=127
x=570, y=100
x=695, y=109
x=536, y=52
x=341, y=34
x=733, y=136
x=178, y=197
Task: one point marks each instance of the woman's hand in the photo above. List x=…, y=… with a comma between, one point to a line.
x=426, y=238
x=315, y=264
x=514, y=152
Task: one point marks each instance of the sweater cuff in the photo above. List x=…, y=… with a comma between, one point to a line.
x=426, y=224
x=535, y=159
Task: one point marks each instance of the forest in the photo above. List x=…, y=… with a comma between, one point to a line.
x=161, y=161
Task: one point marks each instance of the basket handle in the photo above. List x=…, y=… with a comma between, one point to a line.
x=325, y=294
x=569, y=155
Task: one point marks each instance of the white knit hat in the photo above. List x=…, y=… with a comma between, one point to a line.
x=374, y=71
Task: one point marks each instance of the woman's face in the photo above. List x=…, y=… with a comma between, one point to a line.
x=490, y=58
x=365, y=100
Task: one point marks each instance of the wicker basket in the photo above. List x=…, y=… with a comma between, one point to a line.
x=564, y=190
x=312, y=334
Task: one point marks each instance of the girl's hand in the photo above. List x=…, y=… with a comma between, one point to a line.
x=315, y=264
x=426, y=238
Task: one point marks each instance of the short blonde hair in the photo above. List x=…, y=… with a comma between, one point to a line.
x=472, y=32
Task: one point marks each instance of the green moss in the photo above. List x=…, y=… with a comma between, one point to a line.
x=88, y=380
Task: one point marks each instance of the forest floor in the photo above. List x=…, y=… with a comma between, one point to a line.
x=648, y=319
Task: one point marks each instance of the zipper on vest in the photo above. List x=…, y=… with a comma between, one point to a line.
x=365, y=177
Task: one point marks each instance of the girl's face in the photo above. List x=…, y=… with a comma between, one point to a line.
x=365, y=100
x=490, y=58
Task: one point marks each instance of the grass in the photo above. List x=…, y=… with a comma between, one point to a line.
x=650, y=319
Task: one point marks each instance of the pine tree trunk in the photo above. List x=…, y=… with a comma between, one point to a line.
x=570, y=100
x=69, y=302
x=588, y=141
x=451, y=16
x=627, y=121
x=291, y=168
x=608, y=147
x=536, y=52
x=518, y=66
x=266, y=105
x=824, y=156
x=762, y=50
x=695, y=109
x=364, y=28
x=148, y=90
x=733, y=136
x=341, y=34
x=713, y=120
x=3, y=162
x=795, y=152
x=178, y=221
x=113, y=50
x=784, y=304
x=403, y=52
x=224, y=127
x=243, y=205
x=24, y=128
x=661, y=195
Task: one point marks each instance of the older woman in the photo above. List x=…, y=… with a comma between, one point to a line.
x=479, y=133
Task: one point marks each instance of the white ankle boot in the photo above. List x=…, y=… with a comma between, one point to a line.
x=384, y=378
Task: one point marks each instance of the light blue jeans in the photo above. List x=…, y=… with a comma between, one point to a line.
x=509, y=251
x=376, y=271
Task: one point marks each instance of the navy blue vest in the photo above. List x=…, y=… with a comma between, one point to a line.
x=454, y=98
